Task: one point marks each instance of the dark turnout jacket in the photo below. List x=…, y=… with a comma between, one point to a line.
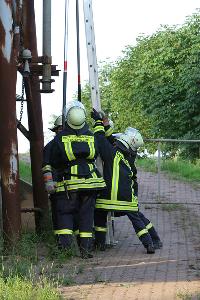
x=119, y=194
x=72, y=156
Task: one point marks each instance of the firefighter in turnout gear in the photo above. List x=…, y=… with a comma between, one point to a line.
x=119, y=195
x=131, y=159
x=149, y=226
x=50, y=179
x=73, y=154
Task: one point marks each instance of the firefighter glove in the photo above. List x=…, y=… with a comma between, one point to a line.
x=50, y=187
x=49, y=183
x=95, y=115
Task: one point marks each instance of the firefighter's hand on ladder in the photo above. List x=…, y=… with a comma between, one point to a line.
x=95, y=115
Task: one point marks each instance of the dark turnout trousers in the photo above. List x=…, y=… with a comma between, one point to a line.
x=100, y=222
x=151, y=229
x=73, y=214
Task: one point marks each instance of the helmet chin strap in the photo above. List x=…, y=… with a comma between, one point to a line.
x=133, y=153
x=121, y=146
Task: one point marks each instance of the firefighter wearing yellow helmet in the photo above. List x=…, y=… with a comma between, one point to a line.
x=73, y=154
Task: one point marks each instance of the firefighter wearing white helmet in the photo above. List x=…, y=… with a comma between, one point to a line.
x=57, y=124
x=73, y=156
x=131, y=138
x=51, y=177
x=134, y=140
x=119, y=196
x=129, y=142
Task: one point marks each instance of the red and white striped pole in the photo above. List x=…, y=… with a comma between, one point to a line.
x=78, y=50
x=65, y=62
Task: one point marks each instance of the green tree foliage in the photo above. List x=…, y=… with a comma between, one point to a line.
x=155, y=85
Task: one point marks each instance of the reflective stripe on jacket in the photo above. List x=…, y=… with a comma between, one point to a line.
x=73, y=155
x=119, y=195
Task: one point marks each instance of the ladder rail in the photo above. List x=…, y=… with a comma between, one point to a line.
x=91, y=54
x=95, y=95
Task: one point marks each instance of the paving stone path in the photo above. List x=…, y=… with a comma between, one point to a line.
x=126, y=271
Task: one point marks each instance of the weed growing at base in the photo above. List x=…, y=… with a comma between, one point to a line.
x=26, y=274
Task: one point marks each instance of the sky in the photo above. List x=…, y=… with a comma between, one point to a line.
x=117, y=24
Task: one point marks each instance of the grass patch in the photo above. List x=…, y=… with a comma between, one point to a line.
x=23, y=289
x=53, y=253
x=179, y=169
x=34, y=268
x=182, y=169
x=147, y=164
x=188, y=296
x=25, y=171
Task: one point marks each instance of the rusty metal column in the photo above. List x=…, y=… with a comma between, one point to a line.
x=32, y=87
x=46, y=45
x=9, y=46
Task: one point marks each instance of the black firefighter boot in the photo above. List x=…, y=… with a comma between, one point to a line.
x=155, y=238
x=157, y=244
x=150, y=249
x=85, y=247
x=65, y=242
x=100, y=241
x=147, y=243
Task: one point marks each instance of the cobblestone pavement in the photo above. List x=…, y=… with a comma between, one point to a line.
x=127, y=272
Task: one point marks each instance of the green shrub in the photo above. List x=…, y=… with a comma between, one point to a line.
x=25, y=171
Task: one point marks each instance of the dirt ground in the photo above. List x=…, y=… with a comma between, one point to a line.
x=126, y=271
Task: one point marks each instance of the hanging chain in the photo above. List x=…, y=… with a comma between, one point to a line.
x=21, y=49
x=22, y=101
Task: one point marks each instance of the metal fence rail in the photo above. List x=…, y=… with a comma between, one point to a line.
x=166, y=188
x=161, y=189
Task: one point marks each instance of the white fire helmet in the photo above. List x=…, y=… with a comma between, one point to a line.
x=75, y=114
x=131, y=138
x=57, y=123
x=117, y=135
x=135, y=136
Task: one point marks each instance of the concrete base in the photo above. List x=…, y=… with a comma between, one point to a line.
x=26, y=196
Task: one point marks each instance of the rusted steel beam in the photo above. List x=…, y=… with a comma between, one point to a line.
x=31, y=209
x=32, y=87
x=23, y=130
x=38, y=69
x=9, y=47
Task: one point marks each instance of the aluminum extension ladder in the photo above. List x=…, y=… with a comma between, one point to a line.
x=91, y=54
x=94, y=87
